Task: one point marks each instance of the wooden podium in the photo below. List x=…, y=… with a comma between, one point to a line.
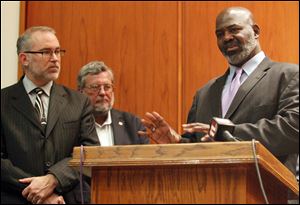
x=216, y=172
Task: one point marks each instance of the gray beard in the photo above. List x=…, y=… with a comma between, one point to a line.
x=238, y=58
x=102, y=110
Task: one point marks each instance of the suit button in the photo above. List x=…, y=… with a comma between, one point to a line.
x=48, y=164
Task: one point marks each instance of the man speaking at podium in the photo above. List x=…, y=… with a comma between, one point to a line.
x=259, y=96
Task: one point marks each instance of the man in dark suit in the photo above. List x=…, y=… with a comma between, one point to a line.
x=37, y=143
x=114, y=127
x=263, y=102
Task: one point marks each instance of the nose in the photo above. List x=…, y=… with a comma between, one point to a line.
x=227, y=36
x=101, y=90
x=54, y=57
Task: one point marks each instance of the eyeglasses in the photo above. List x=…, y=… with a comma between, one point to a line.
x=97, y=88
x=48, y=53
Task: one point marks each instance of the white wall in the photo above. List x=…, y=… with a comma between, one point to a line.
x=10, y=14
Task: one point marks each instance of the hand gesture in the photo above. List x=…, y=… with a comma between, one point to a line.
x=158, y=129
x=198, y=127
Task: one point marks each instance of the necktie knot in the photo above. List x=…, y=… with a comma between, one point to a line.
x=38, y=91
x=237, y=74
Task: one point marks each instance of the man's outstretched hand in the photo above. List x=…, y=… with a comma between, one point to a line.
x=158, y=129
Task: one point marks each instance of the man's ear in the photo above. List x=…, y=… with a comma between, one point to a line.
x=256, y=30
x=23, y=58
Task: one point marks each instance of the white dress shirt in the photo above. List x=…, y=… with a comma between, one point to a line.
x=105, y=133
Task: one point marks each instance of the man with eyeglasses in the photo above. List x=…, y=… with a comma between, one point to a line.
x=41, y=122
x=114, y=127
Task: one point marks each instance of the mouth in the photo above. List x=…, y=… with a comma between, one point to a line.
x=102, y=101
x=232, y=48
x=53, y=69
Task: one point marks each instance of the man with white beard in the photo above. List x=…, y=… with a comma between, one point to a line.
x=114, y=127
x=259, y=96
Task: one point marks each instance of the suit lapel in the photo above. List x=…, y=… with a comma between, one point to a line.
x=248, y=85
x=118, y=125
x=21, y=102
x=56, y=105
x=216, y=93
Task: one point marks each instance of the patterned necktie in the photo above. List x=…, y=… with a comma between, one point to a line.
x=229, y=95
x=39, y=106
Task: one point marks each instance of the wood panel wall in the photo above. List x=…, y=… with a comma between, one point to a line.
x=161, y=52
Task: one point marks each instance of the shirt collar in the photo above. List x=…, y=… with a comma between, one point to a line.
x=29, y=86
x=251, y=64
x=108, y=120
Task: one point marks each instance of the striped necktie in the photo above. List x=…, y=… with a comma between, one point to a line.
x=39, y=106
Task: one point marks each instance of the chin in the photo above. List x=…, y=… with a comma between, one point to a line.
x=53, y=76
x=101, y=109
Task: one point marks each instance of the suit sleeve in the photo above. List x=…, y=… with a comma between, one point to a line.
x=10, y=173
x=68, y=177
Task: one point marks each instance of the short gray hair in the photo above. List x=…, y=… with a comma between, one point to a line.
x=92, y=68
x=24, y=41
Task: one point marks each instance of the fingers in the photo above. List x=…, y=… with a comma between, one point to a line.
x=207, y=138
x=147, y=124
x=25, y=180
x=159, y=119
x=39, y=201
x=143, y=133
x=61, y=200
x=196, y=127
x=155, y=119
x=30, y=197
x=25, y=192
x=36, y=200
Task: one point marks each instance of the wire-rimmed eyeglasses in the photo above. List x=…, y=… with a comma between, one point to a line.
x=96, y=88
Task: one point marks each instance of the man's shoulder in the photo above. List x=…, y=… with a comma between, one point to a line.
x=68, y=92
x=286, y=67
x=10, y=87
x=216, y=81
x=14, y=89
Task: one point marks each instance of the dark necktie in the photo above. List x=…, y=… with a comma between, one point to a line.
x=39, y=106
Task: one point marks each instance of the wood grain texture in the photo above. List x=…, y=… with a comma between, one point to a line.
x=171, y=185
x=138, y=40
x=161, y=52
x=220, y=172
x=202, y=154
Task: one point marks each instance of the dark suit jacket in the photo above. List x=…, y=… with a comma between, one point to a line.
x=125, y=127
x=265, y=108
x=27, y=150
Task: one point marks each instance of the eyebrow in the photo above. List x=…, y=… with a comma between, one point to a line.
x=46, y=49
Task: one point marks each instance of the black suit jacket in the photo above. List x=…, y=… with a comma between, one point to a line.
x=125, y=127
x=265, y=108
x=28, y=150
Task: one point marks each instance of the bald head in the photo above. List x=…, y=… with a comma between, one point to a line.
x=235, y=13
x=237, y=35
